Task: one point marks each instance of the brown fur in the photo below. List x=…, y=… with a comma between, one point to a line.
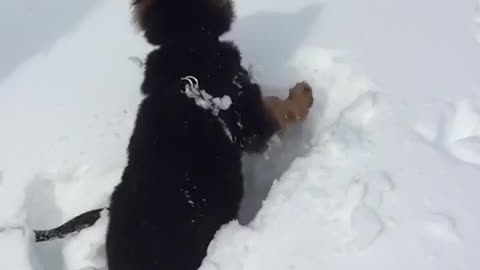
x=293, y=109
x=140, y=9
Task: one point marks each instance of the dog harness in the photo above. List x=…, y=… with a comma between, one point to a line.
x=220, y=107
x=203, y=99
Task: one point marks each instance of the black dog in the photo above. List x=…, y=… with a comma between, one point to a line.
x=183, y=178
x=201, y=112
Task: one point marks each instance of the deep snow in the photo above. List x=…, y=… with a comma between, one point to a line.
x=384, y=174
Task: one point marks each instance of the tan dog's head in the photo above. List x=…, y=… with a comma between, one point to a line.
x=300, y=100
x=295, y=108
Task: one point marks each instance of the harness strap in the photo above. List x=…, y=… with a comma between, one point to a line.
x=221, y=107
x=218, y=106
x=204, y=99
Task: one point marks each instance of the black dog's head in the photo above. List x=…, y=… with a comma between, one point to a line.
x=175, y=20
x=188, y=33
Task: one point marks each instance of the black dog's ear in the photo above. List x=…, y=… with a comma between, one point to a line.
x=172, y=20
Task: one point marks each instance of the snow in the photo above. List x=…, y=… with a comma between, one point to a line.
x=383, y=175
x=15, y=246
x=87, y=249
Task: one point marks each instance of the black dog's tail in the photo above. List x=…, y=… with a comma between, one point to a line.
x=166, y=21
x=74, y=225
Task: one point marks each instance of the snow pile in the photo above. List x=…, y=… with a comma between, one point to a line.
x=66, y=115
x=326, y=204
x=383, y=175
x=15, y=248
x=87, y=249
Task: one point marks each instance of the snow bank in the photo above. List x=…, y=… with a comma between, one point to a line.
x=15, y=246
x=66, y=115
x=325, y=205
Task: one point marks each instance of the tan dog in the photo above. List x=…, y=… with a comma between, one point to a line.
x=294, y=109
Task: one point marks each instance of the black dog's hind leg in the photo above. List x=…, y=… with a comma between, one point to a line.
x=74, y=225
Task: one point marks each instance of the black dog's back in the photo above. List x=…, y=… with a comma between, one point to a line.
x=180, y=184
x=183, y=178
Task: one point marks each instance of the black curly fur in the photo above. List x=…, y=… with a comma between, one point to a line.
x=167, y=20
x=183, y=178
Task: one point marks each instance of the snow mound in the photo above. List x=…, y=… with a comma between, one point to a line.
x=316, y=210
